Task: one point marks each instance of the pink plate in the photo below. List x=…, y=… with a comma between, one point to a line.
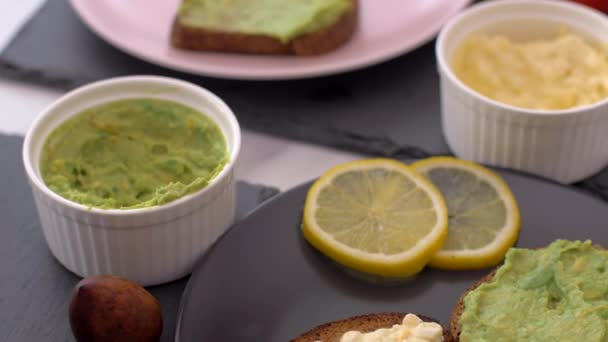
x=387, y=29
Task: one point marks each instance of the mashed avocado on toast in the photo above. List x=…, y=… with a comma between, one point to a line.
x=556, y=293
x=281, y=19
x=268, y=27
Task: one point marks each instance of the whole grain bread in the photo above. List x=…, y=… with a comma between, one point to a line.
x=315, y=43
x=333, y=331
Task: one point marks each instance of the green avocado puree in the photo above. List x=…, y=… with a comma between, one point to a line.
x=557, y=293
x=280, y=19
x=133, y=153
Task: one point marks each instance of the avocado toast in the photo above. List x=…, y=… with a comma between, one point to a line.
x=555, y=293
x=264, y=26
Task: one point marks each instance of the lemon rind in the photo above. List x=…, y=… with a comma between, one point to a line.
x=493, y=253
x=395, y=265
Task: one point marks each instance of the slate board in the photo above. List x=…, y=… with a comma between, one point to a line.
x=34, y=288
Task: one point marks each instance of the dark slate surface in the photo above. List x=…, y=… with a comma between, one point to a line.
x=34, y=288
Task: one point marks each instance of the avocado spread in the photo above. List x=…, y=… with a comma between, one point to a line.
x=557, y=293
x=133, y=153
x=280, y=19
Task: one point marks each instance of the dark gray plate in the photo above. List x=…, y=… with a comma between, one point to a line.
x=263, y=282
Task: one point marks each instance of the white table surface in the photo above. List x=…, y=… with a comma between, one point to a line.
x=264, y=159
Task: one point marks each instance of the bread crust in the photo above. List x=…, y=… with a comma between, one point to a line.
x=333, y=331
x=315, y=43
x=454, y=330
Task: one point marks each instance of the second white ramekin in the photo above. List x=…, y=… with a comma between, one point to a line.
x=150, y=245
x=565, y=145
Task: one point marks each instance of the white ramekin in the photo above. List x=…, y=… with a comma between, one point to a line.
x=563, y=145
x=149, y=245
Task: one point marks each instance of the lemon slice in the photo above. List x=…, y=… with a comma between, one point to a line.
x=483, y=214
x=375, y=216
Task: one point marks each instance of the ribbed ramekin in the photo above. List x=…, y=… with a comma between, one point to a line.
x=563, y=145
x=150, y=245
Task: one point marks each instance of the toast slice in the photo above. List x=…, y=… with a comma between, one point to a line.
x=315, y=43
x=333, y=331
